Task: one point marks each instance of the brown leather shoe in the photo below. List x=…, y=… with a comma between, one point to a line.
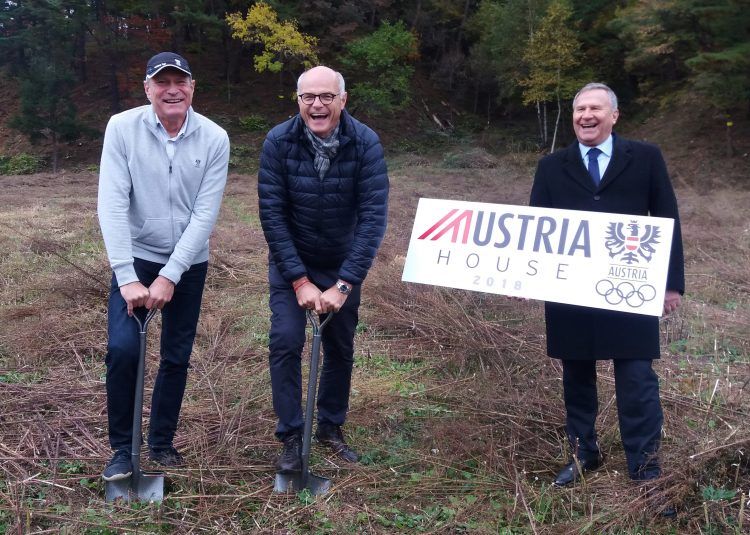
x=331, y=436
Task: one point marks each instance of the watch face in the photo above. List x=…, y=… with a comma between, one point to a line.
x=343, y=288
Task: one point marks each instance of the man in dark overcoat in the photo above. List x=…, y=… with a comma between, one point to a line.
x=603, y=172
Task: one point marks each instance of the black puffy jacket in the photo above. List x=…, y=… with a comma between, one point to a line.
x=334, y=222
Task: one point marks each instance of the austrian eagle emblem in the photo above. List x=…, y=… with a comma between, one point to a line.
x=629, y=243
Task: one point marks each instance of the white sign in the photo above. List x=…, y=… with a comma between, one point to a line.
x=593, y=259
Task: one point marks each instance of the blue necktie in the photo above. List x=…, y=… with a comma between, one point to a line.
x=593, y=155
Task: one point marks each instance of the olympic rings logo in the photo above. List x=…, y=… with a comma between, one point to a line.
x=625, y=291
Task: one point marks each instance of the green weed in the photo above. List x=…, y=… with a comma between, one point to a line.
x=384, y=365
x=713, y=494
x=4, y=522
x=244, y=213
x=71, y=467
x=23, y=378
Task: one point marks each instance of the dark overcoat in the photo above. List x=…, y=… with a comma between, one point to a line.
x=635, y=182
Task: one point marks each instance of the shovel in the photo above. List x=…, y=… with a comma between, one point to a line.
x=305, y=479
x=141, y=486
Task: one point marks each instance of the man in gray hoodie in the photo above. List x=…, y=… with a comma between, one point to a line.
x=161, y=181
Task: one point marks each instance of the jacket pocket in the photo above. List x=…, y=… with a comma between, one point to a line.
x=156, y=235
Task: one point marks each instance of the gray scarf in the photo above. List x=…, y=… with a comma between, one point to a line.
x=325, y=149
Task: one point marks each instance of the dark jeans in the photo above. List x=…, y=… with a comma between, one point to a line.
x=287, y=338
x=638, y=410
x=179, y=319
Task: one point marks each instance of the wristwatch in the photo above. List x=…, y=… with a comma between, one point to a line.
x=343, y=287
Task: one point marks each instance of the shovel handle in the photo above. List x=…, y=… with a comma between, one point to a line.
x=317, y=325
x=312, y=386
x=143, y=325
x=135, y=445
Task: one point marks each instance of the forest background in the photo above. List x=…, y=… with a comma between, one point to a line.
x=456, y=408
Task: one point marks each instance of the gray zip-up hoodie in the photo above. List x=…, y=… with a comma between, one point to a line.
x=153, y=208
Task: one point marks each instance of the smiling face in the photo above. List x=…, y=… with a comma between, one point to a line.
x=593, y=117
x=321, y=118
x=171, y=94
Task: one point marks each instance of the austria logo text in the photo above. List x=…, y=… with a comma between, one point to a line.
x=522, y=232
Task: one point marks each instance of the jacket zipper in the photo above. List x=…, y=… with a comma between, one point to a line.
x=171, y=215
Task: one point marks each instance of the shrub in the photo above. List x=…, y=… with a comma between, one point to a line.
x=254, y=123
x=381, y=63
x=20, y=164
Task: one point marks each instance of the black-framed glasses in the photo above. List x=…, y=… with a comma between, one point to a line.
x=325, y=98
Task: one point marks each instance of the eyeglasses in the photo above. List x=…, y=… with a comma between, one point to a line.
x=325, y=98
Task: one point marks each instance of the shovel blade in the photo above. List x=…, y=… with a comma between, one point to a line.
x=149, y=488
x=295, y=482
x=119, y=489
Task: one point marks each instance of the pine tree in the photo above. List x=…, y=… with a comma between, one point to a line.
x=41, y=48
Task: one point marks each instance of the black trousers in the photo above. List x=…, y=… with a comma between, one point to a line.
x=638, y=409
x=179, y=320
x=286, y=341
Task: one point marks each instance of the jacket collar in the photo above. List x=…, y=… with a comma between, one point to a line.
x=149, y=117
x=345, y=120
x=621, y=156
x=573, y=165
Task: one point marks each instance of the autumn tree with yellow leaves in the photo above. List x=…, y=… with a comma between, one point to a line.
x=281, y=43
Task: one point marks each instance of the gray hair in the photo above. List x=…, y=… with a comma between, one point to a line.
x=597, y=85
x=339, y=79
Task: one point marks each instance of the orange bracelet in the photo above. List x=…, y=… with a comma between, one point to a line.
x=299, y=284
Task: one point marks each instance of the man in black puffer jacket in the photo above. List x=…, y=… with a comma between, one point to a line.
x=323, y=195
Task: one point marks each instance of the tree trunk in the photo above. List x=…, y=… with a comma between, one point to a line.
x=557, y=122
x=416, y=16
x=539, y=122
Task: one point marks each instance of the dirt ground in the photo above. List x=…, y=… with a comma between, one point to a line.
x=455, y=407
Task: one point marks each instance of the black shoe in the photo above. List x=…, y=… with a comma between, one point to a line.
x=290, y=458
x=668, y=511
x=169, y=457
x=331, y=436
x=572, y=473
x=119, y=467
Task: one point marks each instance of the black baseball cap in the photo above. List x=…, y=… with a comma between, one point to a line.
x=167, y=60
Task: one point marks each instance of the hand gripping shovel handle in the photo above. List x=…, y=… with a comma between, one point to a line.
x=312, y=386
x=135, y=446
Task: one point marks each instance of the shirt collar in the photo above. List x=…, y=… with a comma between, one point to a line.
x=605, y=146
x=163, y=130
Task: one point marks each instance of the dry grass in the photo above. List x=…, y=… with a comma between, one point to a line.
x=456, y=409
